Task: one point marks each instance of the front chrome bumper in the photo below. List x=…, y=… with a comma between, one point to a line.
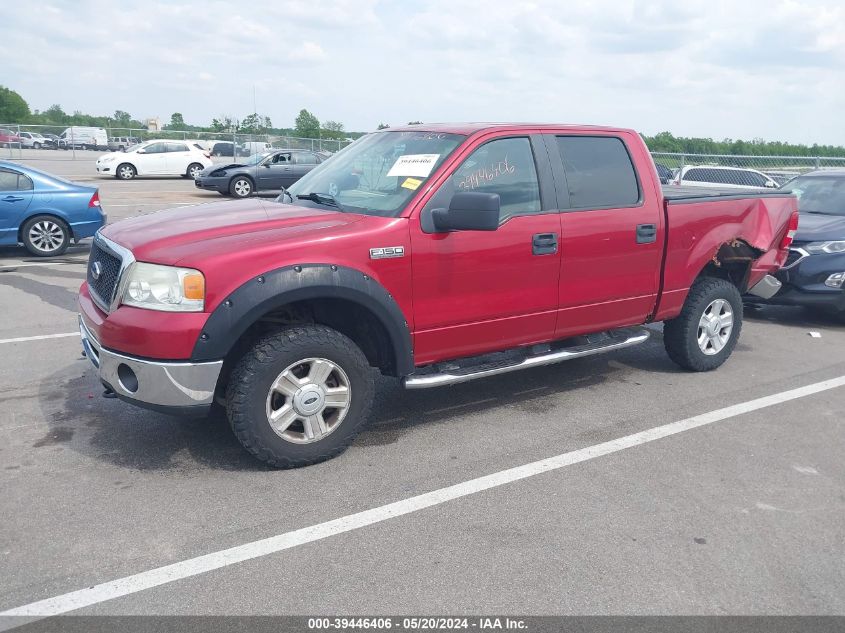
x=173, y=387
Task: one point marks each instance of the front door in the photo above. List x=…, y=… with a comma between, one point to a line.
x=611, y=234
x=481, y=291
x=275, y=172
x=15, y=197
x=153, y=160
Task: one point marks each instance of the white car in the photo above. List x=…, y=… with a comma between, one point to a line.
x=155, y=158
x=730, y=177
x=33, y=140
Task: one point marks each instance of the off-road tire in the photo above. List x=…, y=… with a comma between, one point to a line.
x=252, y=377
x=680, y=335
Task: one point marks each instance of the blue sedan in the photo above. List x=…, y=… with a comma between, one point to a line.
x=44, y=212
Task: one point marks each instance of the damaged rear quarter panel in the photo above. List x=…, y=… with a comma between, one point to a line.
x=699, y=228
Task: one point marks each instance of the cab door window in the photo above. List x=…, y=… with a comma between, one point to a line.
x=502, y=166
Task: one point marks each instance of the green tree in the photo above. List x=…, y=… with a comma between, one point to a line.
x=255, y=124
x=306, y=125
x=382, y=126
x=13, y=108
x=122, y=118
x=177, y=122
x=332, y=129
x=54, y=114
x=414, y=122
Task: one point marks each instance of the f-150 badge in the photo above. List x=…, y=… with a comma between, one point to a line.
x=387, y=251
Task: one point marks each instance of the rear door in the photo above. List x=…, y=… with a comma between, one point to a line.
x=275, y=172
x=610, y=233
x=481, y=291
x=178, y=157
x=303, y=162
x=15, y=198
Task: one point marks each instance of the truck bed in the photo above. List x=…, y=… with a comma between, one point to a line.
x=673, y=194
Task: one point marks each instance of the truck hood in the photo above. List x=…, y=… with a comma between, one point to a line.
x=168, y=237
x=814, y=227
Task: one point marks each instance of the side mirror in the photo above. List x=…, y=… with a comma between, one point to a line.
x=469, y=211
x=770, y=184
x=142, y=151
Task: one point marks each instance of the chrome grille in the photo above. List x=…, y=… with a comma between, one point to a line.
x=103, y=281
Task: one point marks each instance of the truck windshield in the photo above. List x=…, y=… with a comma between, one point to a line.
x=819, y=194
x=377, y=174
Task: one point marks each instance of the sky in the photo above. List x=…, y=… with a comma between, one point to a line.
x=772, y=69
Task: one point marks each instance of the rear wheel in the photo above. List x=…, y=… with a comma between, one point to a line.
x=45, y=236
x=125, y=171
x=300, y=396
x=704, y=335
x=194, y=170
x=241, y=187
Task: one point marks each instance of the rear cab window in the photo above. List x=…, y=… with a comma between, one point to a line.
x=599, y=172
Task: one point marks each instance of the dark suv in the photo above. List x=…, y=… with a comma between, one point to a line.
x=814, y=273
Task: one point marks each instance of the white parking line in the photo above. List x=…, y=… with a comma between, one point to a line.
x=24, y=339
x=5, y=266
x=274, y=544
x=150, y=204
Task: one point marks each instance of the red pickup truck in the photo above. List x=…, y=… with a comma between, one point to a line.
x=436, y=254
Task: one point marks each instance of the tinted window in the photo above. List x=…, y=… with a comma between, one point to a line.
x=177, y=147
x=505, y=167
x=8, y=180
x=155, y=148
x=13, y=181
x=598, y=171
x=304, y=158
x=757, y=180
x=283, y=159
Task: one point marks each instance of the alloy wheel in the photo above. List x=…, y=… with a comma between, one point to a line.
x=715, y=327
x=308, y=400
x=46, y=236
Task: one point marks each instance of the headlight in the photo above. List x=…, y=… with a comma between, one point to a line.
x=166, y=288
x=826, y=247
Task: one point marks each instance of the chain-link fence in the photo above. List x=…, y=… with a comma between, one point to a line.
x=740, y=169
x=32, y=142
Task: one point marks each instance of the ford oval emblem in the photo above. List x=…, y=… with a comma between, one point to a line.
x=96, y=270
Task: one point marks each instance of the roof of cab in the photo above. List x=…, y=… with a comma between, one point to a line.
x=472, y=128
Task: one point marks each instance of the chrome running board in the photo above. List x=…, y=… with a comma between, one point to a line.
x=465, y=374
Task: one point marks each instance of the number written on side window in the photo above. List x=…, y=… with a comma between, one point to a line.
x=506, y=167
x=598, y=172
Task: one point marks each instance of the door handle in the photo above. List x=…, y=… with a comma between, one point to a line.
x=12, y=199
x=544, y=244
x=287, y=168
x=646, y=233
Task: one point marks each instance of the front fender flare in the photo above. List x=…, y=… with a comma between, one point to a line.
x=276, y=288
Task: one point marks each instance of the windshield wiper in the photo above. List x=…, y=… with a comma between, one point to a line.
x=320, y=198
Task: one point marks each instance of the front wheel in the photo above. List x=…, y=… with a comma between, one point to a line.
x=36, y=145
x=241, y=187
x=125, y=172
x=704, y=335
x=45, y=236
x=300, y=396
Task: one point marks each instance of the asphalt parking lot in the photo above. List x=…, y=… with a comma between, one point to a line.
x=737, y=513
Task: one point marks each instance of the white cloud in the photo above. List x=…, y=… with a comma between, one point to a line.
x=760, y=68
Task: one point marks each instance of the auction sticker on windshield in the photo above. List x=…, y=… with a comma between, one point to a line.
x=419, y=165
